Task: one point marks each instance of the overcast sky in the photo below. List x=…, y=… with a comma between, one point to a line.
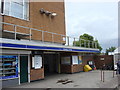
x=98, y=19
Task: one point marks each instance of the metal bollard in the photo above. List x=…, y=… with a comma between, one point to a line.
x=103, y=76
x=113, y=73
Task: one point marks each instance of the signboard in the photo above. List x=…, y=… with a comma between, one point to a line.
x=33, y=64
x=102, y=58
x=74, y=59
x=8, y=66
x=37, y=61
x=79, y=59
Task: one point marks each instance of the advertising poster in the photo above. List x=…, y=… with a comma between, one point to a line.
x=80, y=60
x=75, y=59
x=37, y=61
x=8, y=66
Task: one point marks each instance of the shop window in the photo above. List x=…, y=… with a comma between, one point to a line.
x=65, y=60
x=17, y=8
x=8, y=67
x=76, y=60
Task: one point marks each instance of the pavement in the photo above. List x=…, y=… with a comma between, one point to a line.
x=90, y=79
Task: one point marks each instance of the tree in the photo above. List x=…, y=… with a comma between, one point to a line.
x=88, y=41
x=110, y=49
x=98, y=45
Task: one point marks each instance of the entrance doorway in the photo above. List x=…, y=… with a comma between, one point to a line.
x=51, y=64
x=23, y=69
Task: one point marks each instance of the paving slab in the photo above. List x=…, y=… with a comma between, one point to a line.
x=90, y=79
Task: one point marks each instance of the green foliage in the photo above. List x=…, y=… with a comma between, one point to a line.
x=98, y=45
x=88, y=43
x=86, y=37
x=110, y=49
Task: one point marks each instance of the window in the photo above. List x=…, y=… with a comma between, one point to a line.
x=0, y=5
x=17, y=8
x=65, y=60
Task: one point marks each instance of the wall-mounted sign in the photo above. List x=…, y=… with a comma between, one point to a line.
x=33, y=64
x=79, y=59
x=74, y=59
x=37, y=61
x=8, y=66
x=102, y=58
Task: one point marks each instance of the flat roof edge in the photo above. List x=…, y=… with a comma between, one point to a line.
x=15, y=44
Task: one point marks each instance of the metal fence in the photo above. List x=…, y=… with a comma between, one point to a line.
x=67, y=40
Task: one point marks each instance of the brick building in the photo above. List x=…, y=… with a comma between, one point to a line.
x=34, y=42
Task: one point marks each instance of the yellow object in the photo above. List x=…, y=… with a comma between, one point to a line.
x=87, y=68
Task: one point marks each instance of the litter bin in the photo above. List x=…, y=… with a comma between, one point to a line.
x=87, y=68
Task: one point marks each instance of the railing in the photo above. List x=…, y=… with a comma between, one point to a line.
x=67, y=40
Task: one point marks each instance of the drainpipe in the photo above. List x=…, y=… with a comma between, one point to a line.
x=1, y=20
x=59, y=67
x=1, y=17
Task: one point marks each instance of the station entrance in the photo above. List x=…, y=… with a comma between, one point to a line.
x=51, y=63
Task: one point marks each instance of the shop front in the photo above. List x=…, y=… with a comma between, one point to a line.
x=71, y=62
x=9, y=69
x=14, y=67
x=25, y=62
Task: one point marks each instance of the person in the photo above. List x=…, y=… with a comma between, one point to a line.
x=118, y=67
x=104, y=66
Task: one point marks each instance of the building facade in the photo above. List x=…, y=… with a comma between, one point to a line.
x=33, y=42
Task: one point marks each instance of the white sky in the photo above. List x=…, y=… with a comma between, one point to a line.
x=97, y=18
x=91, y=0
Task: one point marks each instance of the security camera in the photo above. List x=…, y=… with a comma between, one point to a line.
x=42, y=11
x=47, y=13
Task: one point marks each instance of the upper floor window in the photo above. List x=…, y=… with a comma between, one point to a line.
x=16, y=8
x=0, y=5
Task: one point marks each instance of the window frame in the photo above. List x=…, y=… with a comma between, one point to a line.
x=23, y=16
x=1, y=5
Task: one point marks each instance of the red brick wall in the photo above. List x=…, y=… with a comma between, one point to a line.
x=37, y=20
x=79, y=67
x=66, y=68
x=108, y=60
x=36, y=74
x=71, y=68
